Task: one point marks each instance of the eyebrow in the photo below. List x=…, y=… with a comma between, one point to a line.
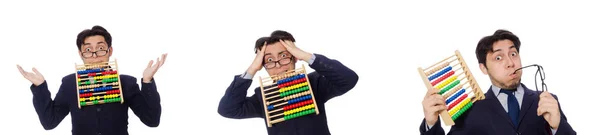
x=277, y=53
x=497, y=50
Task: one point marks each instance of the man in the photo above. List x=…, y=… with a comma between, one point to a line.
x=278, y=54
x=509, y=107
x=95, y=46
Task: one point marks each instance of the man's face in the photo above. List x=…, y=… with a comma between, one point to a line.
x=501, y=65
x=277, y=59
x=95, y=50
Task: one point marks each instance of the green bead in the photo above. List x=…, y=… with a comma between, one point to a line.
x=82, y=103
x=450, y=86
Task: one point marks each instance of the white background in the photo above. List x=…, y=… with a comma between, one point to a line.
x=208, y=43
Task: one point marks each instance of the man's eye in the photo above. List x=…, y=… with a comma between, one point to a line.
x=269, y=59
x=514, y=54
x=498, y=57
x=283, y=55
x=88, y=49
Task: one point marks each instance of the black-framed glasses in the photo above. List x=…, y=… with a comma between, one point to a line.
x=281, y=62
x=98, y=53
x=542, y=75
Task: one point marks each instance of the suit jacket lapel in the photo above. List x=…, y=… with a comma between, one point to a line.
x=529, y=99
x=496, y=107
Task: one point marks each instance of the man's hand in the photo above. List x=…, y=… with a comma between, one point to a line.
x=548, y=107
x=295, y=51
x=433, y=103
x=257, y=64
x=36, y=78
x=151, y=69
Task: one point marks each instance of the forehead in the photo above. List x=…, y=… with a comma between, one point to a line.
x=94, y=39
x=274, y=48
x=502, y=45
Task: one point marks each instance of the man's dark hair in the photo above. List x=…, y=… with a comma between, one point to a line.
x=485, y=45
x=274, y=38
x=95, y=31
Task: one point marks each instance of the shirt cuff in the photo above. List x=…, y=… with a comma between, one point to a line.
x=427, y=127
x=312, y=59
x=247, y=75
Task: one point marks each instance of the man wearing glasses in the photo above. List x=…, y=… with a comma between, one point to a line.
x=109, y=119
x=278, y=54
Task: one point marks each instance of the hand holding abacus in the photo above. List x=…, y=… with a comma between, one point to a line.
x=433, y=103
x=36, y=78
x=151, y=69
x=257, y=64
x=295, y=51
x=548, y=107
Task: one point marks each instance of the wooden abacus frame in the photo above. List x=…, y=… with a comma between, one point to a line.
x=106, y=65
x=478, y=95
x=272, y=80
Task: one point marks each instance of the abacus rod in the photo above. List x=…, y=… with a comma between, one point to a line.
x=97, y=97
x=271, y=93
x=284, y=75
x=94, y=67
x=445, y=59
x=291, y=96
x=437, y=68
x=271, y=97
x=447, y=94
x=280, y=109
x=274, y=87
x=278, y=77
x=97, y=85
x=269, y=102
x=280, y=104
x=460, y=79
x=277, y=121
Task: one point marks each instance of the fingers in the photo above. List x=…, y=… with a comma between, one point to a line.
x=36, y=71
x=547, y=107
x=164, y=58
x=432, y=91
x=150, y=64
x=285, y=44
x=22, y=71
x=290, y=43
x=438, y=108
x=262, y=50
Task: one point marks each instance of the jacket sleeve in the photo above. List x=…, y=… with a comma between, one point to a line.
x=234, y=104
x=50, y=112
x=144, y=103
x=336, y=78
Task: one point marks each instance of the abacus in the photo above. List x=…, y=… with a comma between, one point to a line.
x=98, y=84
x=287, y=96
x=456, y=84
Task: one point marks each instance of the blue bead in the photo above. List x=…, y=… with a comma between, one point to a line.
x=440, y=73
x=270, y=107
x=455, y=96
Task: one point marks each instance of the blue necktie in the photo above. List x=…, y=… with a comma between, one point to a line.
x=513, y=106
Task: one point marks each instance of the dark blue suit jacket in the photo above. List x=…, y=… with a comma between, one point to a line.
x=488, y=117
x=331, y=79
x=107, y=119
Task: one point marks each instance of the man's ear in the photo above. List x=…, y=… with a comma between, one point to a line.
x=110, y=50
x=483, y=68
x=80, y=54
